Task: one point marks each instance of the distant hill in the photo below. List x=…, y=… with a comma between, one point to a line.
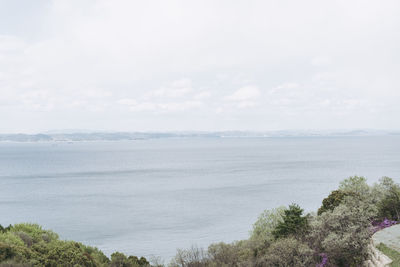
x=121, y=136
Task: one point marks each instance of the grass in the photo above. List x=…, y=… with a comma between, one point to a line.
x=391, y=253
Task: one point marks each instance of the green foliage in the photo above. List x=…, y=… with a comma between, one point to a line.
x=332, y=201
x=30, y=245
x=265, y=224
x=69, y=253
x=231, y=255
x=11, y=239
x=119, y=259
x=389, y=204
x=287, y=252
x=357, y=190
x=12, y=263
x=355, y=184
x=4, y=229
x=292, y=222
x=6, y=252
x=35, y=231
x=343, y=234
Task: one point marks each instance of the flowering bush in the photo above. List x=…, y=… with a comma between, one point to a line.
x=376, y=225
x=324, y=260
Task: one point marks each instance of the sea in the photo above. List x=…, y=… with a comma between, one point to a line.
x=152, y=197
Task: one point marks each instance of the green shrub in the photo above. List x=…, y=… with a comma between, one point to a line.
x=119, y=259
x=35, y=231
x=6, y=252
x=11, y=239
x=287, y=252
x=343, y=234
x=4, y=229
x=68, y=253
x=236, y=254
x=30, y=245
x=14, y=264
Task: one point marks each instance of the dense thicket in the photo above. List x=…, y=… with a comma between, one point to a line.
x=30, y=245
x=338, y=235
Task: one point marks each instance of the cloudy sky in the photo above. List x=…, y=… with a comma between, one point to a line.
x=199, y=65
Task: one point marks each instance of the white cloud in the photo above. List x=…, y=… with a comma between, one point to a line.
x=171, y=92
x=165, y=107
x=92, y=61
x=202, y=95
x=127, y=101
x=245, y=93
x=176, y=89
x=182, y=106
x=321, y=61
x=246, y=104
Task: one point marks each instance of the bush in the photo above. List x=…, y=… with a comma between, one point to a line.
x=14, y=264
x=30, y=245
x=68, y=253
x=231, y=255
x=288, y=252
x=4, y=229
x=6, y=252
x=119, y=259
x=343, y=234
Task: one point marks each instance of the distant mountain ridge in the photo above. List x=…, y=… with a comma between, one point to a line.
x=121, y=136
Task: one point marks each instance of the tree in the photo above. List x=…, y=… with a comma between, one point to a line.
x=292, y=222
x=288, y=252
x=332, y=201
x=356, y=185
x=389, y=205
x=343, y=234
x=265, y=224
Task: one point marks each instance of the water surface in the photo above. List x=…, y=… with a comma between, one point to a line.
x=149, y=197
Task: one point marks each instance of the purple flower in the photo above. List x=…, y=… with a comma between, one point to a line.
x=376, y=226
x=324, y=260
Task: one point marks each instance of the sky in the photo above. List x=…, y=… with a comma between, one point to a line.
x=199, y=65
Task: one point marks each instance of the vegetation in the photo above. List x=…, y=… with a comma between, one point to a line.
x=292, y=222
x=334, y=199
x=389, y=204
x=30, y=245
x=338, y=235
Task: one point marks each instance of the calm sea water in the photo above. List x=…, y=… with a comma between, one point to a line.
x=150, y=197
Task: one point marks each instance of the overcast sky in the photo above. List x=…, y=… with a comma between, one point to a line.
x=199, y=65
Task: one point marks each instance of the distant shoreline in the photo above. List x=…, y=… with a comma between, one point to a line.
x=135, y=136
